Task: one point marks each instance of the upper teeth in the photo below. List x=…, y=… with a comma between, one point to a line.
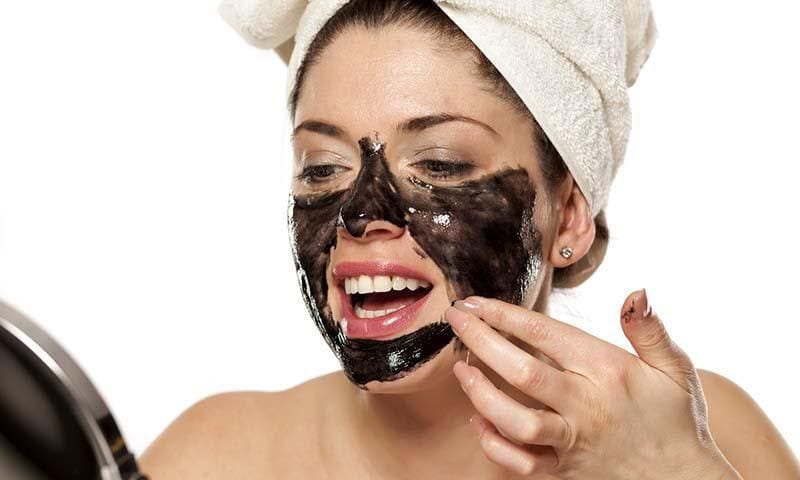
x=381, y=283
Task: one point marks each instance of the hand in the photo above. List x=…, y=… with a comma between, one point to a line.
x=609, y=415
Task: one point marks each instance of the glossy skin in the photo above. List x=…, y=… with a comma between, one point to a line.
x=327, y=427
x=501, y=259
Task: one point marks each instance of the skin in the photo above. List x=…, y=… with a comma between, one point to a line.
x=530, y=376
x=502, y=258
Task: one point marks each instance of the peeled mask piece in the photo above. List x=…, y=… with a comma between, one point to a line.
x=480, y=233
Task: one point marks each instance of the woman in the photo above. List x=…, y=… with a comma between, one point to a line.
x=434, y=206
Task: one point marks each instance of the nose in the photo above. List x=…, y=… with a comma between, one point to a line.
x=372, y=208
x=366, y=230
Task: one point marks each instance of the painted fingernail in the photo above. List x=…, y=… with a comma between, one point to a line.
x=466, y=306
x=639, y=308
x=646, y=309
x=457, y=319
x=627, y=315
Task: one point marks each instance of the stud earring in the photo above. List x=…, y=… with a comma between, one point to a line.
x=566, y=252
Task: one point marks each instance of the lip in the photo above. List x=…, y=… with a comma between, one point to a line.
x=385, y=325
x=377, y=327
x=376, y=267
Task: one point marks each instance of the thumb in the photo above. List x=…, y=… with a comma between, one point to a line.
x=652, y=343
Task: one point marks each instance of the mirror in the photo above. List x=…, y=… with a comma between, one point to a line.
x=53, y=422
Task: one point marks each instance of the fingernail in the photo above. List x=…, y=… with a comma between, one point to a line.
x=646, y=308
x=457, y=319
x=466, y=306
x=639, y=308
x=627, y=315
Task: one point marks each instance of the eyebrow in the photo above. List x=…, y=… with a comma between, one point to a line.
x=319, y=127
x=411, y=125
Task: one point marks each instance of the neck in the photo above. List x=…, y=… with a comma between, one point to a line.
x=424, y=433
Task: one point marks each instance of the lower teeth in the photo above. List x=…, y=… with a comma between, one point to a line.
x=361, y=313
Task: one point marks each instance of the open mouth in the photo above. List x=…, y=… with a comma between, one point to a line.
x=379, y=306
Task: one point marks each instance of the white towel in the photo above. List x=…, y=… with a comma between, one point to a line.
x=570, y=61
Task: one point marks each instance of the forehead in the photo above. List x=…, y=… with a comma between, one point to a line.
x=375, y=79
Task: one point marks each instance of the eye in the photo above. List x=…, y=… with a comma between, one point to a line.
x=444, y=169
x=320, y=173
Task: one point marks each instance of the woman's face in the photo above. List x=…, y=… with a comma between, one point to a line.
x=414, y=185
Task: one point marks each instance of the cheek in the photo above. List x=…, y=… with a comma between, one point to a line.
x=312, y=233
x=481, y=234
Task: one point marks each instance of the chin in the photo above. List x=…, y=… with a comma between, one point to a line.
x=431, y=375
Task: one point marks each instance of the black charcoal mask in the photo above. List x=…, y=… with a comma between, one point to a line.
x=480, y=233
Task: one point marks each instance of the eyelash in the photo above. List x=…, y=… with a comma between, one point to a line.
x=438, y=169
x=310, y=173
x=442, y=169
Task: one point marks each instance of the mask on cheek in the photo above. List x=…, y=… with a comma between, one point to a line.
x=480, y=233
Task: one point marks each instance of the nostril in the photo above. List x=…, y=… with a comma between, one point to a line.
x=360, y=223
x=382, y=229
x=372, y=229
x=355, y=225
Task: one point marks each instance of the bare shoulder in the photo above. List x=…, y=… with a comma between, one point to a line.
x=213, y=438
x=245, y=434
x=744, y=433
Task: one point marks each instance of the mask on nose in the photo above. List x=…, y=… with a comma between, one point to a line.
x=480, y=233
x=373, y=195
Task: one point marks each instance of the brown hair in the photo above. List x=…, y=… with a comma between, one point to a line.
x=425, y=15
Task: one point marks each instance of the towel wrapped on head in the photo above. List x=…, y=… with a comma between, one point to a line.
x=570, y=61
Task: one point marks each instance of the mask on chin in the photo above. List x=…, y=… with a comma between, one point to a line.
x=480, y=233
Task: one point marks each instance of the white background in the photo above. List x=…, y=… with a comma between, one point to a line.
x=144, y=167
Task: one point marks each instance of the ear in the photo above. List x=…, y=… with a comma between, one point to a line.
x=576, y=228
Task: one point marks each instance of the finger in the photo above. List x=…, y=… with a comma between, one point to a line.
x=522, y=370
x=570, y=347
x=525, y=425
x=652, y=343
x=500, y=450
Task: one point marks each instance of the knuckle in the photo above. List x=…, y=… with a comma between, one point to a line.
x=568, y=438
x=489, y=442
x=481, y=395
x=531, y=431
x=619, y=370
x=502, y=316
x=528, y=377
x=620, y=383
x=527, y=467
x=535, y=329
x=619, y=375
x=653, y=337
